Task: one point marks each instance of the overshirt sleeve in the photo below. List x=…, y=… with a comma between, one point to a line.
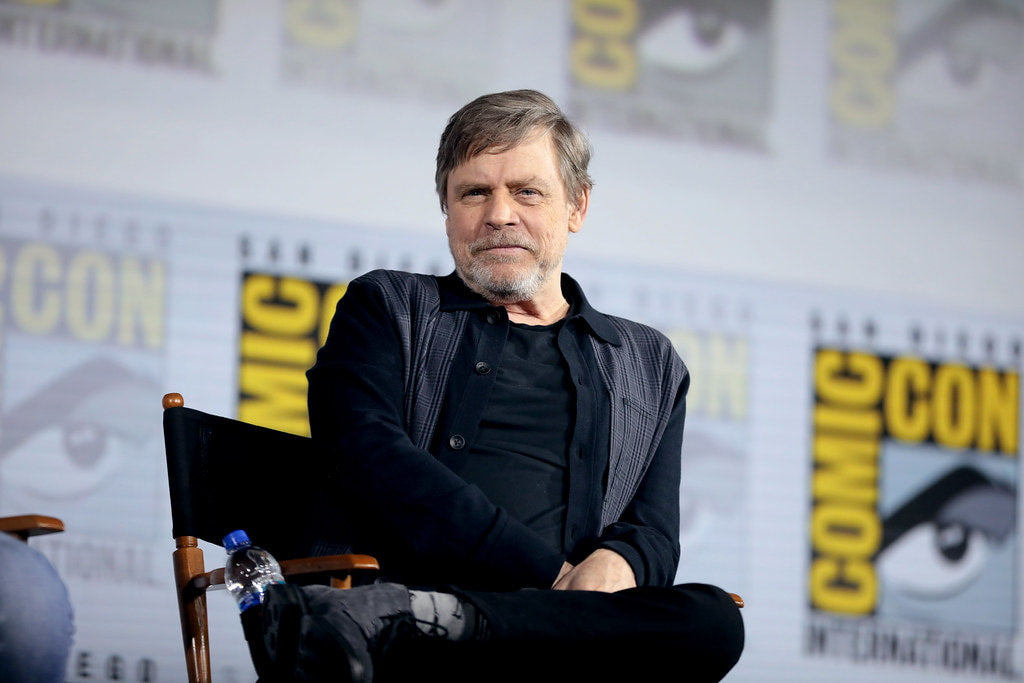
x=647, y=533
x=411, y=509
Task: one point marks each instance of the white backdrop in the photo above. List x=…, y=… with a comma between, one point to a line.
x=778, y=184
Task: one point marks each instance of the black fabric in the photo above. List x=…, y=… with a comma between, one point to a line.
x=690, y=632
x=290, y=641
x=401, y=348
x=520, y=456
x=224, y=475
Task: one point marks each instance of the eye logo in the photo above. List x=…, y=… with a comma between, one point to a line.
x=73, y=434
x=938, y=542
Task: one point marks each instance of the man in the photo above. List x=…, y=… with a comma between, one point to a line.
x=491, y=432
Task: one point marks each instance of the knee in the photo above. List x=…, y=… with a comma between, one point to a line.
x=730, y=636
x=36, y=622
x=714, y=635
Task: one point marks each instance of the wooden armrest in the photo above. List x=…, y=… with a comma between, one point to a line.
x=737, y=599
x=327, y=563
x=25, y=526
x=297, y=567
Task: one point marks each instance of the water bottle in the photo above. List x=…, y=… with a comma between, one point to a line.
x=249, y=570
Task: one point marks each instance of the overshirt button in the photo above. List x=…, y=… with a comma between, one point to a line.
x=482, y=368
x=492, y=318
x=457, y=441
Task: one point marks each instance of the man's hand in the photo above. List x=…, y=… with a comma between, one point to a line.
x=602, y=570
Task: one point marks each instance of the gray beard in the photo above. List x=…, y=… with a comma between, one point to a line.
x=480, y=278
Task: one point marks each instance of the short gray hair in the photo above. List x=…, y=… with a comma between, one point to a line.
x=502, y=121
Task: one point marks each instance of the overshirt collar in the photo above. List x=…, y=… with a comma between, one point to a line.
x=455, y=295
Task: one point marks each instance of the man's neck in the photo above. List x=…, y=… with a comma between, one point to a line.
x=528, y=313
x=547, y=307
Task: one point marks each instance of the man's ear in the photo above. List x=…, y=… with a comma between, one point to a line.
x=578, y=213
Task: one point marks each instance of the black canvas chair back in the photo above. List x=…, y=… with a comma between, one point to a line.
x=223, y=475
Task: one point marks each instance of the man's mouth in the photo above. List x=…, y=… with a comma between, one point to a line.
x=506, y=248
x=500, y=249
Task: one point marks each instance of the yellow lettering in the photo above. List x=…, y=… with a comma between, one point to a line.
x=955, y=406
x=142, y=303
x=843, y=586
x=36, y=302
x=719, y=368
x=847, y=469
x=849, y=378
x=864, y=50
x=845, y=530
x=952, y=404
x=907, y=413
x=326, y=24
x=274, y=397
x=282, y=318
x=90, y=295
x=845, y=527
x=728, y=391
x=602, y=54
x=298, y=351
x=864, y=56
x=603, y=64
x=606, y=18
x=998, y=411
x=838, y=419
x=287, y=306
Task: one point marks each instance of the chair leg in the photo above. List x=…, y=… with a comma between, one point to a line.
x=188, y=562
x=344, y=582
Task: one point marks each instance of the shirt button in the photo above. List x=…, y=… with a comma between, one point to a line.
x=482, y=368
x=492, y=318
x=457, y=441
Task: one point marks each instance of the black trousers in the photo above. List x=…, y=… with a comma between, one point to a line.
x=690, y=632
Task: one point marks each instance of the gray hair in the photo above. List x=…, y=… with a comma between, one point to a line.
x=503, y=120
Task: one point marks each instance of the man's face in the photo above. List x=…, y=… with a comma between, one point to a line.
x=509, y=221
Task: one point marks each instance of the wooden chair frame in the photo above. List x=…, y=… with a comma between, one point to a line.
x=192, y=580
x=27, y=526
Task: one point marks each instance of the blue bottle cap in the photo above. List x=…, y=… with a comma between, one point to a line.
x=236, y=539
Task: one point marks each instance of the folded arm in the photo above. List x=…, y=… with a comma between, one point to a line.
x=422, y=515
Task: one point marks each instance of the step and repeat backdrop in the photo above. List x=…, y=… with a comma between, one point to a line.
x=187, y=188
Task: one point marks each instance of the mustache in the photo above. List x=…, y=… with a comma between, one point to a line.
x=502, y=240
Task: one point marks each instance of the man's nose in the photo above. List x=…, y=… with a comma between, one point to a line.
x=501, y=211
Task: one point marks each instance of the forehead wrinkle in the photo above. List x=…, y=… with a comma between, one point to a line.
x=528, y=181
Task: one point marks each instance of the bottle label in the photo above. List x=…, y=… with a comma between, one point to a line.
x=250, y=600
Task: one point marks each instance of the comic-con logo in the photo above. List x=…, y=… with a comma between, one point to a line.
x=913, y=489
x=932, y=87
x=80, y=329
x=284, y=321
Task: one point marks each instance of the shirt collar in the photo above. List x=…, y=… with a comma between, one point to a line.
x=455, y=295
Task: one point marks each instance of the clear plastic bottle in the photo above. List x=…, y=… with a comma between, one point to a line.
x=249, y=570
